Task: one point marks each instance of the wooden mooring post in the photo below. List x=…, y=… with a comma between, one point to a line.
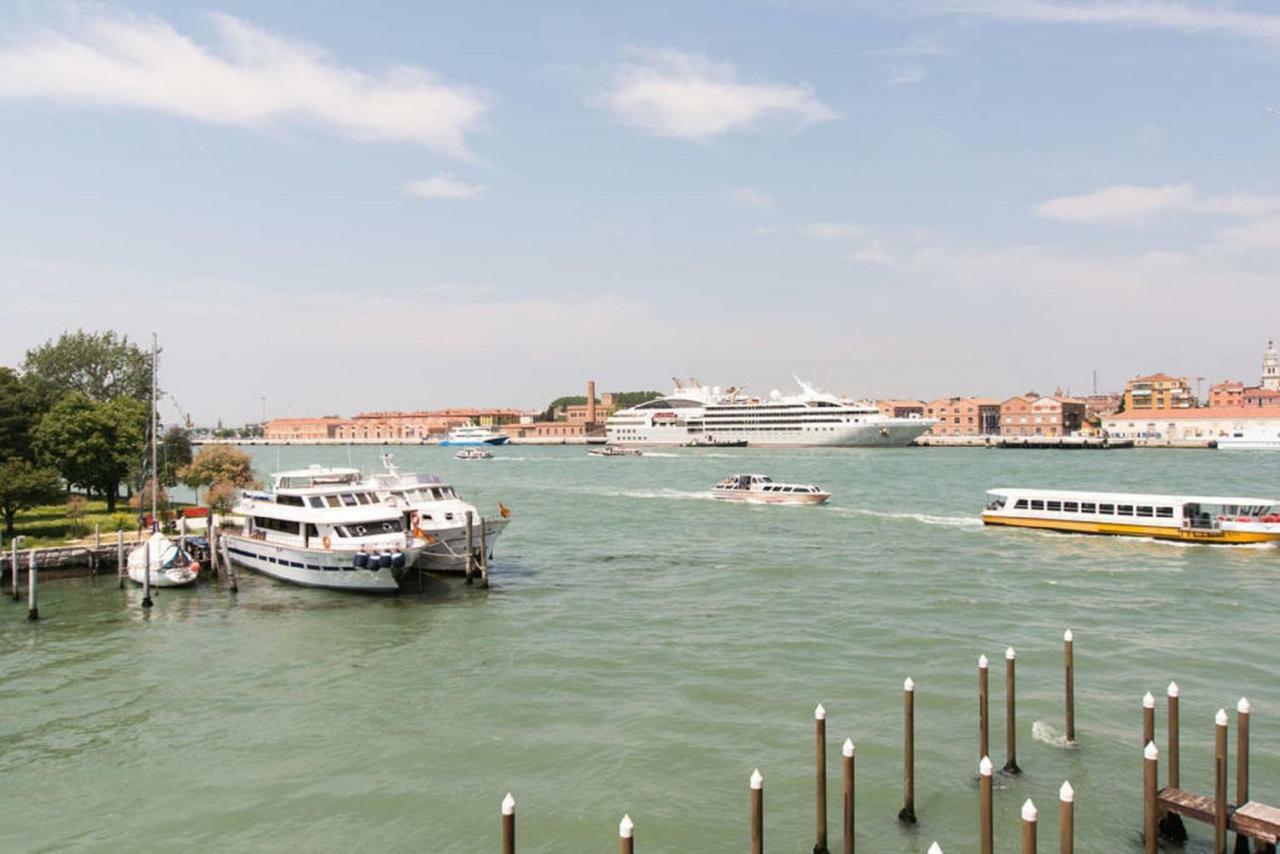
x=984, y=718
x=1010, y=714
x=120, y=558
x=1066, y=818
x=1243, y=710
x=1069, y=666
x=757, y=812
x=986, y=832
x=508, y=824
x=820, y=786
x=1150, y=772
x=908, y=812
x=1148, y=718
x=626, y=835
x=846, y=752
x=1171, y=826
x=484, y=558
x=1220, y=782
x=1029, y=819
x=13, y=565
x=146, y=575
x=33, y=612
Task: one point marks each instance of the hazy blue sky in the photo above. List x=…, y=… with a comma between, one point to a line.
x=346, y=206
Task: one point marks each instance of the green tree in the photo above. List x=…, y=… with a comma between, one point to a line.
x=23, y=486
x=99, y=365
x=94, y=445
x=175, y=454
x=15, y=417
x=219, y=463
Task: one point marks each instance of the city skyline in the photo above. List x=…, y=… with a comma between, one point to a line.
x=483, y=206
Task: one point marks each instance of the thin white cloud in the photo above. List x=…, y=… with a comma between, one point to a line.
x=1159, y=14
x=1259, y=234
x=687, y=96
x=250, y=78
x=832, y=230
x=903, y=75
x=445, y=187
x=1133, y=205
x=750, y=197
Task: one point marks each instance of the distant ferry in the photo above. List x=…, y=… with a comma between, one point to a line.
x=475, y=436
x=1254, y=439
x=761, y=489
x=711, y=416
x=1206, y=519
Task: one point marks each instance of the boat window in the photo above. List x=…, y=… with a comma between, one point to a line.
x=349, y=500
x=1145, y=511
x=1164, y=512
x=1107, y=508
x=1071, y=507
x=315, y=501
x=289, y=500
x=341, y=530
x=1124, y=509
x=1088, y=507
x=1037, y=504
x=280, y=525
x=312, y=531
x=1054, y=505
x=333, y=500
x=1020, y=504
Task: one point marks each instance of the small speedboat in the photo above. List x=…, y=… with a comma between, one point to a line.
x=615, y=451
x=169, y=565
x=477, y=453
x=761, y=489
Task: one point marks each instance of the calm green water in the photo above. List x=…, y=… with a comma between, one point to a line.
x=644, y=648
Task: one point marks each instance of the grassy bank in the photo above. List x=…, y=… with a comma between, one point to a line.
x=49, y=525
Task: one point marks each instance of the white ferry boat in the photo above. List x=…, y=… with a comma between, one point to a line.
x=473, y=435
x=1190, y=518
x=435, y=517
x=615, y=451
x=474, y=453
x=322, y=527
x=1253, y=439
x=697, y=413
x=761, y=489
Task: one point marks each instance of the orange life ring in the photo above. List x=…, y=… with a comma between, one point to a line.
x=418, y=533
x=326, y=542
x=195, y=567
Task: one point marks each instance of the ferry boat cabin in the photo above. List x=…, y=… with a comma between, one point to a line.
x=1176, y=517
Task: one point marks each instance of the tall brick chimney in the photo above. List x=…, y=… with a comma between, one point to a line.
x=591, y=401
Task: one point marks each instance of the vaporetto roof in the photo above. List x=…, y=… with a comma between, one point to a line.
x=1127, y=497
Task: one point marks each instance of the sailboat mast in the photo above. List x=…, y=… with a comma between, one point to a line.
x=155, y=475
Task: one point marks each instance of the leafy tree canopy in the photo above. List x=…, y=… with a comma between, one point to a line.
x=23, y=486
x=99, y=365
x=175, y=453
x=94, y=445
x=621, y=400
x=15, y=417
x=219, y=463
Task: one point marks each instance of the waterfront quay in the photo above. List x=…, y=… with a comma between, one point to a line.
x=649, y=672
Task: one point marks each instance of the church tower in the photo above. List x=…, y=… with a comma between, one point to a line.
x=1271, y=368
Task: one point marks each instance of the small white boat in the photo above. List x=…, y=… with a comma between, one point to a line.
x=473, y=435
x=474, y=454
x=1252, y=439
x=615, y=451
x=169, y=565
x=761, y=489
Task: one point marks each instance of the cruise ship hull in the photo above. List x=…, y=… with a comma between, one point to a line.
x=887, y=433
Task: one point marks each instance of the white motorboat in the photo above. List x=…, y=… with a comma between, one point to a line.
x=474, y=435
x=1251, y=439
x=169, y=565
x=323, y=527
x=712, y=416
x=615, y=451
x=158, y=562
x=435, y=517
x=474, y=454
x=761, y=489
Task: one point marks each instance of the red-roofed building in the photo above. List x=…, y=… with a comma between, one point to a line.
x=1189, y=425
x=1158, y=392
x=1033, y=415
x=964, y=416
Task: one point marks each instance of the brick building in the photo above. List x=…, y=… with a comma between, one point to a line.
x=1033, y=415
x=964, y=416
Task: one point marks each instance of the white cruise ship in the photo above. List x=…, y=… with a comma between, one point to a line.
x=705, y=415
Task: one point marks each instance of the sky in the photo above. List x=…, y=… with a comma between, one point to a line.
x=328, y=207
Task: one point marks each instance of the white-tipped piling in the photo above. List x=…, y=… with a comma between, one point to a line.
x=985, y=822
x=847, y=790
x=1150, y=772
x=820, y=779
x=1069, y=673
x=1010, y=714
x=1029, y=818
x=1066, y=818
x=1148, y=718
x=508, y=824
x=907, y=814
x=757, y=812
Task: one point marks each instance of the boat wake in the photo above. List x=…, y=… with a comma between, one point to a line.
x=659, y=494
x=946, y=521
x=1046, y=734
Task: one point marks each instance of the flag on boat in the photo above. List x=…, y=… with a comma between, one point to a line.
x=504, y=511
